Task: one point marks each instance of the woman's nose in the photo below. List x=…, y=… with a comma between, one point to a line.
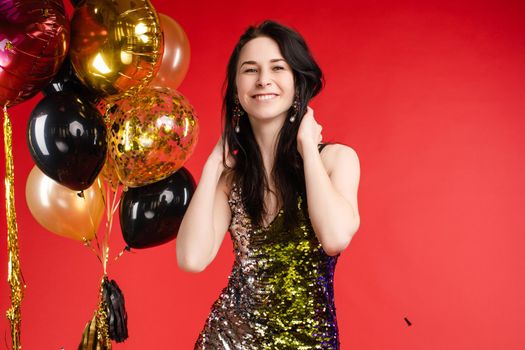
x=263, y=83
x=264, y=80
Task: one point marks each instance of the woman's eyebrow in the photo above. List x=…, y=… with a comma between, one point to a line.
x=247, y=62
x=254, y=62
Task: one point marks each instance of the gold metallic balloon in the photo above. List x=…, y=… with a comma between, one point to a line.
x=63, y=211
x=151, y=136
x=116, y=46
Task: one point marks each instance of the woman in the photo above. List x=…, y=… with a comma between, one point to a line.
x=290, y=208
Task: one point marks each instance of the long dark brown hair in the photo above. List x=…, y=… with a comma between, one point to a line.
x=288, y=171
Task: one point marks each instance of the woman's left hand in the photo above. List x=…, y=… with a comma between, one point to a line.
x=309, y=134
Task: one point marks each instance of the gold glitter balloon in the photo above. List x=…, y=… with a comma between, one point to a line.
x=151, y=136
x=110, y=175
x=116, y=46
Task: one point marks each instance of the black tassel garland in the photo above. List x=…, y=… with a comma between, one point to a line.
x=117, y=318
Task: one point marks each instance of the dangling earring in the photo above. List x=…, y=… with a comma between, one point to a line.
x=294, y=108
x=237, y=114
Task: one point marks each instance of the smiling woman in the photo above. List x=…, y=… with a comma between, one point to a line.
x=290, y=209
x=265, y=81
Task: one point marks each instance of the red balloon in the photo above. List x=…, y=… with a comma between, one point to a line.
x=34, y=38
x=176, y=57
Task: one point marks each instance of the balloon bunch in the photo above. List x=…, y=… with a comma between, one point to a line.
x=111, y=123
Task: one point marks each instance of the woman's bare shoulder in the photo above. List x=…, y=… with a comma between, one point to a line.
x=334, y=154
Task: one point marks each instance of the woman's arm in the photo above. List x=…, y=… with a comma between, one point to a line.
x=332, y=195
x=207, y=218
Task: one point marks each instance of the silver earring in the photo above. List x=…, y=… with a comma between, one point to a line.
x=295, y=109
x=237, y=114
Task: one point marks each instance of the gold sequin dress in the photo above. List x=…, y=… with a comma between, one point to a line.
x=280, y=293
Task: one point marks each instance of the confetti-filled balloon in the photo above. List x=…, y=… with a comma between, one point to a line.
x=109, y=174
x=116, y=46
x=34, y=38
x=151, y=136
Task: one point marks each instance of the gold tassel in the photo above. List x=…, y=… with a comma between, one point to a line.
x=14, y=276
x=96, y=332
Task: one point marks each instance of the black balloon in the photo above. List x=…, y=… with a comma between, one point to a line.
x=65, y=80
x=151, y=215
x=75, y=3
x=67, y=139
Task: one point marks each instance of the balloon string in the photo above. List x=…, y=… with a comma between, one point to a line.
x=110, y=209
x=114, y=206
x=110, y=213
x=15, y=278
x=82, y=194
x=115, y=202
x=126, y=249
x=105, y=250
x=87, y=243
x=98, y=252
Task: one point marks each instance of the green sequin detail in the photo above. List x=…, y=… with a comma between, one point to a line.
x=280, y=290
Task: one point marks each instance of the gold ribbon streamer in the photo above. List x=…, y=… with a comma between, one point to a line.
x=14, y=276
x=102, y=319
x=96, y=332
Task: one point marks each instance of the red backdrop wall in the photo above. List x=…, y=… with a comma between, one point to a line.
x=430, y=96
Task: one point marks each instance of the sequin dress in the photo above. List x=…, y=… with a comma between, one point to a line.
x=280, y=292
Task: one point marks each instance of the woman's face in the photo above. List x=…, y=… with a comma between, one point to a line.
x=265, y=82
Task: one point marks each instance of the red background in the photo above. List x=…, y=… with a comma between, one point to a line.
x=430, y=95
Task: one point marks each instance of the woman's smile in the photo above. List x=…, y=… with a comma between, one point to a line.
x=265, y=97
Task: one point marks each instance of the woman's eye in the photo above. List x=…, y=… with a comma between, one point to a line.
x=278, y=68
x=250, y=70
